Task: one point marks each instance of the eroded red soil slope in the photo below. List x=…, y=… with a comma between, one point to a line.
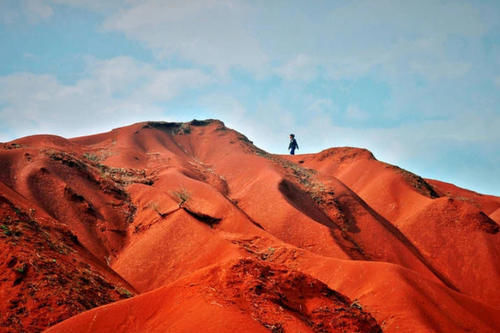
x=247, y=295
x=449, y=226
x=213, y=233
x=46, y=275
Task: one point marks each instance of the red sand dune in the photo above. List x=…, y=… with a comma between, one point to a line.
x=205, y=231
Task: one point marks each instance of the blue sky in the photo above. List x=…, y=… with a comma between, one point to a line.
x=416, y=82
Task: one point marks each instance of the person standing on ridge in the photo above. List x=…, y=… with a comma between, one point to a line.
x=293, y=144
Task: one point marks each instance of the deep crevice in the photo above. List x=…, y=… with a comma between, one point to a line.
x=207, y=219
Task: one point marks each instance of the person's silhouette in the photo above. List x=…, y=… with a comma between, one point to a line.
x=293, y=144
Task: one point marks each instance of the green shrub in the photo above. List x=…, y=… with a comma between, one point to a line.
x=6, y=230
x=124, y=292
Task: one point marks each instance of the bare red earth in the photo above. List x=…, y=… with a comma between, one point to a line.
x=205, y=231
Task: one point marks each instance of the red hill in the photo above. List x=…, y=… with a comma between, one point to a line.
x=201, y=230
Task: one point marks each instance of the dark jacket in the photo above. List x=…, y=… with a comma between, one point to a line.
x=293, y=144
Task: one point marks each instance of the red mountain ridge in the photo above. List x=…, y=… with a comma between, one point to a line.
x=182, y=227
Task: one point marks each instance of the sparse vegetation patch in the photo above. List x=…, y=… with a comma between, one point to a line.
x=182, y=196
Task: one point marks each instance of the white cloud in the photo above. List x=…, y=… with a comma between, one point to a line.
x=32, y=11
x=301, y=67
x=351, y=39
x=396, y=18
x=213, y=33
x=225, y=107
x=353, y=112
x=443, y=69
x=94, y=5
x=124, y=76
x=38, y=9
x=347, y=39
x=317, y=106
x=168, y=84
x=116, y=91
x=497, y=81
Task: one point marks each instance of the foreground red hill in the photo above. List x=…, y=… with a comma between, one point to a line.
x=200, y=229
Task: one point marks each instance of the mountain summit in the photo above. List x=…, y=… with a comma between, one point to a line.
x=178, y=227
